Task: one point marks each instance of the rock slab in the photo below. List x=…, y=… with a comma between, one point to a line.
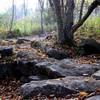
x=90, y=46
x=59, y=87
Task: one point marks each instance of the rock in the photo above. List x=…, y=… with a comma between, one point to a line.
x=35, y=44
x=17, y=69
x=24, y=79
x=25, y=54
x=22, y=40
x=3, y=71
x=11, y=41
x=34, y=78
x=90, y=46
x=6, y=51
x=64, y=68
x=49, y=70
x=96, y=75
x=68, y=61
x=70, y=68
x=39, y=45
x=24, y=68
x=80, y=70
x=97, y=97
x=6, y=70
x=45, y=88
x=10, y=35
x=59, y=87
x=53, y=53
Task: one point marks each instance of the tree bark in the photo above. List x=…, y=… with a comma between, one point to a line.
x=41, y=3
x=69, y=19
x=81, y=10
x=42, y=28
x=57, y=8
x=11, y=25
x=25, y=14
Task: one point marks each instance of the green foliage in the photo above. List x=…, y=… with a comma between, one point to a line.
x=91, y=28
x=31, y=25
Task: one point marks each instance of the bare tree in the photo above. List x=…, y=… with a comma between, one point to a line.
x=41, y=4
x=25, y=8
x=66, y=28
x=12, y=19
x=81, y=10
x=25, y=13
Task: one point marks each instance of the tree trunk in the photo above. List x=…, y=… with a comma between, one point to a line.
x=69, y=19
x=59, y=20
x=42, y=28
x=12, y=19
x=41, y=4
x=25, y=14
x=81, y=10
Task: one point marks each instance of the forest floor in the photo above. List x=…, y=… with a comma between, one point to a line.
x=10, y=87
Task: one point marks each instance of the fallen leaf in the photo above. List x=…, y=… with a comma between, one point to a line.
x=83, y=94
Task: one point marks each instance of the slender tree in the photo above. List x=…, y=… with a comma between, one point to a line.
x=41, y=4
x=12, y=19
x=81, y=9
x=25, y=13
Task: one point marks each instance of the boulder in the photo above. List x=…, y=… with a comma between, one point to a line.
x=39, y=45
x=71, y=68
x=6, y=51
x=64, y=68
x=96, y=75
x=80, y=70
x=90, y=46
x=48, y=69
x=24, y=79
x=25, y=54
x=17, y=69
x=53, y=53
x=59, y=87
x=22, y=40
x=24, y=68
x=4, y=71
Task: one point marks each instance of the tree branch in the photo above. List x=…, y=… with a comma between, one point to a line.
x=51, y=4
x=90, y=10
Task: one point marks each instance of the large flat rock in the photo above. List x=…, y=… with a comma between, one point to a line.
x=59, y=87
x=66, y=67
